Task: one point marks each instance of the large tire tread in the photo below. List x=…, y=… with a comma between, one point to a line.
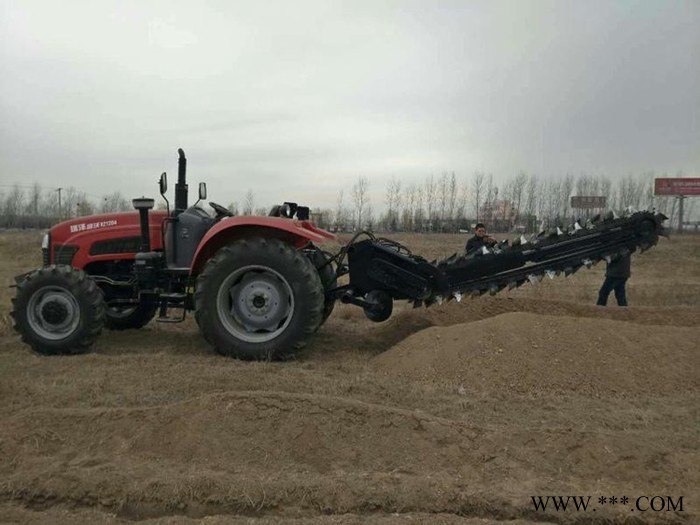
x=296, y=268
x=88, y=295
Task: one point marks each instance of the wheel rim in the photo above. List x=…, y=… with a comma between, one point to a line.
x=255, y=304
x=53, y=313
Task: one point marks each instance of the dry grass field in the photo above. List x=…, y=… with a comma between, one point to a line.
x=459, y=413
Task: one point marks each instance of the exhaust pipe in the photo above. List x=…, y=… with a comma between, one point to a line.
x=181, y=186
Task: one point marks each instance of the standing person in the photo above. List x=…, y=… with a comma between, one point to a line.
x=480, y=239
x=616, y=275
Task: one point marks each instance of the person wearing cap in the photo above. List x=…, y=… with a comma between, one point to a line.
x=616, y=275
x=480, y=239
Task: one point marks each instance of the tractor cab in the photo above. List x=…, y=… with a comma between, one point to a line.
x=185, y=227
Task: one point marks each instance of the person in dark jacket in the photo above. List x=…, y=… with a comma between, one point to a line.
x=616, y=275
x=480, y=239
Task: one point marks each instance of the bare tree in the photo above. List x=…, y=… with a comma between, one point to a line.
x=393, y=202
x=370, y=217
x=567, y=187
x=517, y=189
x=430, y=196
x=114, y=202
x=461, y=206
x=34, y=199
x=360, y=197
x=409, y=205
x=340, y=212
x=443, y=189
x=451, y=198
x=70, y=202
x=419, y=213
x=249, y=203
x=13, y=206
x=531, y=200
x=477, y=191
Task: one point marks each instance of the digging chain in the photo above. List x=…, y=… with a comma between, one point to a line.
x=510, y=265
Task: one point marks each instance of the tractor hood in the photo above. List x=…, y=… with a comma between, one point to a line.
x=124, y=224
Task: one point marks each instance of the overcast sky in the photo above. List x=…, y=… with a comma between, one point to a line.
x=295, y=99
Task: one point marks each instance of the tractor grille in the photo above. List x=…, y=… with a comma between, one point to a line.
x=64, y=253
x=121, y=245
x=45, y=257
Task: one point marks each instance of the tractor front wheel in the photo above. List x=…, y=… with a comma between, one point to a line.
x=58, y=310
x=258, y=299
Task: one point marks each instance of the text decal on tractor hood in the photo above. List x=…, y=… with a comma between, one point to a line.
x=92, y=226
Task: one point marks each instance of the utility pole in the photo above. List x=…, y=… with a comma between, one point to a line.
x=59, y=202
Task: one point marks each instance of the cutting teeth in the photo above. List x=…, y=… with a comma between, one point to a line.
x=485, y=250
x=568, y=271
x=587, y=263
x=577, y=226
x=550, y=273
x=493, y=289
x=559, y=232
x=523, y=240
x=607, y=258
x=457, y=296
x=512, y=284
x=533, y=278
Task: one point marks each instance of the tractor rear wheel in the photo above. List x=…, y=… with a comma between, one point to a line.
x=328, y=279
x=58, y=310
x=128, y=317
x=258, y=299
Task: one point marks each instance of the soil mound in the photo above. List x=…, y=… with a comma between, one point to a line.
x=524, y=353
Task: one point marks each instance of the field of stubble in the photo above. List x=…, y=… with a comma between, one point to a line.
x=455, y=414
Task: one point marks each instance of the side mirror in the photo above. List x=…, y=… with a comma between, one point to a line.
x=163, y=183
x=202, y=191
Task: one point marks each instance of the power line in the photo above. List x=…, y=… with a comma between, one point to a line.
x=46, y=188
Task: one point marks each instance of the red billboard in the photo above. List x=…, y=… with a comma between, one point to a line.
x=684, y=186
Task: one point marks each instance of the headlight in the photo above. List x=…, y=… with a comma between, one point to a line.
x=45, y=249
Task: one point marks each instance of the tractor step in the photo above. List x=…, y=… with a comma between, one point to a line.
x=167, y=300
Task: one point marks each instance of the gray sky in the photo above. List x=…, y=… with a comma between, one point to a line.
x=295, y=99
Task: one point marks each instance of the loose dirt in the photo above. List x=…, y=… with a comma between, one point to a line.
x=459, y=413
x=525, y=353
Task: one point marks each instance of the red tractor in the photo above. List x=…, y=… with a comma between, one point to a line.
x=256, y=284
x=260, y=286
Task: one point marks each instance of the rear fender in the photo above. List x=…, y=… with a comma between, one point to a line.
x=295, y=232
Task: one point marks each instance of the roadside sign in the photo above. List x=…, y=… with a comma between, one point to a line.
x=588, y=201
x=682, y=186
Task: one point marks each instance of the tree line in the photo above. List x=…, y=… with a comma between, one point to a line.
x=440, y=203
x=524, y=202
x=38, y=207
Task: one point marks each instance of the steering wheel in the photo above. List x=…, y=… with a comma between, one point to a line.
x=220, y=210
